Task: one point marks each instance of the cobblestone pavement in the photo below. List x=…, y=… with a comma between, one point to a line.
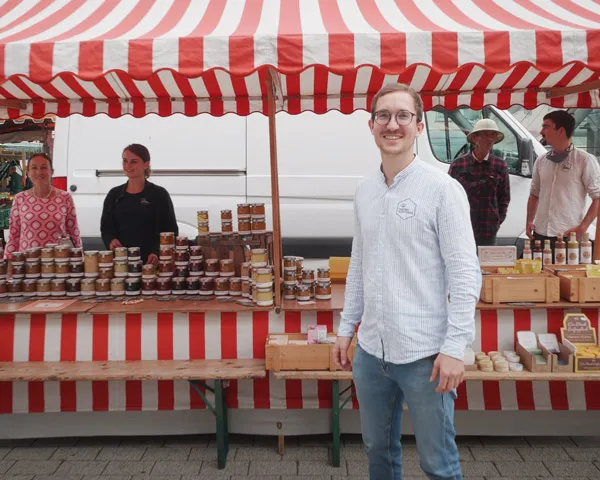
x=194, y=458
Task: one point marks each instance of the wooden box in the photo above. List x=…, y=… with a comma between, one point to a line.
x=565, y=354
x=237, y=247
x=528, y=360
x=289, y=351
x=507, y=288
x=575, y=286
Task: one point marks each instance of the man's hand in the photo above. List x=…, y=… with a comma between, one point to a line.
x=152, y=259
x=451, y=372
x=529, y=229
x=579, y=231
x=115, y=244
x=340, y=353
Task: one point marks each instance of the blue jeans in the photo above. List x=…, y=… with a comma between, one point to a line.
x=382, y=388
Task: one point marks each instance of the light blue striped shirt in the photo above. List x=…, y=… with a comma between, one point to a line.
x=413, y=246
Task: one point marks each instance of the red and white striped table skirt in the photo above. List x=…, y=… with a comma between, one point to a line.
x=68, y=337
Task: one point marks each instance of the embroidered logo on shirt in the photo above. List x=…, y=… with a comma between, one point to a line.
x=143, y=201
x=406, y=209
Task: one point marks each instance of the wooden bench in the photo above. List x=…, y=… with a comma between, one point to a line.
x=196, y=372
x=340, y=399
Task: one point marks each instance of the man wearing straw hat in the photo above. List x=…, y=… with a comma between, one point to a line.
x=413, y=246
x=486, y=181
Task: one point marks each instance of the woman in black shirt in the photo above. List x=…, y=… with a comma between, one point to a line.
x=135, y=213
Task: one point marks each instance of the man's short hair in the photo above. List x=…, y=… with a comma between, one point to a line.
x=562, y=119
x=398, y=87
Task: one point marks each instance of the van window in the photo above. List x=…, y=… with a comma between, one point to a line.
x=448, y=129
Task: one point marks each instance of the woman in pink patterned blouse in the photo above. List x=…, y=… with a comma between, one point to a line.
x=42, y=214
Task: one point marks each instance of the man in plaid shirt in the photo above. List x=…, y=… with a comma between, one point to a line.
x=486, y=181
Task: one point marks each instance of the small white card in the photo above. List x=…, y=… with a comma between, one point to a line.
x=549, y=341
x=527, y=339
x=494, y=256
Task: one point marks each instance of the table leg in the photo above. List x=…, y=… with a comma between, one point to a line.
x=335, y=386
x=222, y=432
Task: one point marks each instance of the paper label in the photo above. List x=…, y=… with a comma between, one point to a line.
x=577, y=329
x=494, y=256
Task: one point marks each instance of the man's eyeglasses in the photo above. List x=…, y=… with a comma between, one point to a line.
x=403, y=117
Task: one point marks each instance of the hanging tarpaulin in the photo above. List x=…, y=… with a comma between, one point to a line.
x=194, y=56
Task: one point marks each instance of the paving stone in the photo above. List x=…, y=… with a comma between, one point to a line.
x=82, y=467
x=210, y=453
x=356, y=468
x=352, y=439
x=309, y=477
x=122, y=453
x=354, y=477
x=256, y=453
x=572, y=469
x=261, y=477
x=106, y=477
x=153, y=441
x=167, y=453
x=472, y=469
x=157, y=477
x=107, y=441
x=56, y=442
x=167, y=467
x=191, y=440
x=522, y=469
x=589, y=441
x=30, y=453
x=34, y=467
x=232, y=467
x=4, y=451
x=493, y=454
x=464, y=454
x=76, y=453
x=353, y=452
x=306, y=453
x=236, y=439
x=493, y=441
x=511, y=478
x=551, y=454
x=125, y=467
x=550, y=441
x=16, y=477
x=277, y=467
x=57, y=477
x=5, y=465
x=583, y=453
x=324, y=440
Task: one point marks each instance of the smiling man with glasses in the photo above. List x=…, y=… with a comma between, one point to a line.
x=413, y=250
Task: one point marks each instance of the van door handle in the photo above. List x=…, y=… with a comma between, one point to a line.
x=73, y=188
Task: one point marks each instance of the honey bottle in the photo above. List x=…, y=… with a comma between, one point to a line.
x=547, y=253
x=586, y=249
x=527, y=251
x=537, y=250
x=560, y=251
x=573, y=249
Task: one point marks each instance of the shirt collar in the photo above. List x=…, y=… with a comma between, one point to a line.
x=403, y=173
x=485, y=159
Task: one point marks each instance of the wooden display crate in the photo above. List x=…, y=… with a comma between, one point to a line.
x=528, y=360
x=289, y=351
x=503, y=288
x=237, y=247
x=575, y=286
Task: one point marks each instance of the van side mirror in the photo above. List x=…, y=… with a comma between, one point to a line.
x=527, y=156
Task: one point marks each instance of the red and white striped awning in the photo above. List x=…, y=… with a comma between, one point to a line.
x=192, y=56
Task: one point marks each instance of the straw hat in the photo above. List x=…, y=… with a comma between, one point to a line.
x=486, y=124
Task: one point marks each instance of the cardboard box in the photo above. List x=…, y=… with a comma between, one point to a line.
x=577, y=334
x=528, y=360
x=565, y=355
x=508, y=288
x=575, y=286
x=291, y=351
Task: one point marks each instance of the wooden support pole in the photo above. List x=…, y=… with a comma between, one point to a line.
x=277, y=249
x=596, y=253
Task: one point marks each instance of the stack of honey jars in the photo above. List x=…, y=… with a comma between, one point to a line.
x=203, y=228
x=251, y=219
x=302, y=284
x=262, y=278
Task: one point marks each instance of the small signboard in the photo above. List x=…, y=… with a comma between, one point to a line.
x=504, y=256
x=48, y=306
x=578, y=330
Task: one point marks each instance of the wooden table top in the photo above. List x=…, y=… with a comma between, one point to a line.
x=150, y=304
x=133, y=370
x=472, y=375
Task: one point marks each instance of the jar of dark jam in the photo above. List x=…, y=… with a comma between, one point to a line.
x=133, y=286
x=211, y=267
x=196, y=268
x=73, y=287
x=207, y=286
x=182, y=271
x=163, y=286
x=148, y=286
x=193, y=285
x=179, y=286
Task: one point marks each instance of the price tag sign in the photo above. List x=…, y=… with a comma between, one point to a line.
x=578, y=330
x=505, y=256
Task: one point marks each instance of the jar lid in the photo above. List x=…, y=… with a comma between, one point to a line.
x=62, y=247
x=44, y=281
x=105, y=252
x=225, y=211
x=212, y=260
x=73, y=281
x=90, y=253
x=221, y=280
x=226, y=260
x=103, y=281
x=243, y=205
x=58, y=281
x=263, y=271
x=323, y=269
x=130, y=280
x=76, y=250
x=235, y=280
x=204, y=280
x=117, y=281
x=258, y=251
x=88, y=281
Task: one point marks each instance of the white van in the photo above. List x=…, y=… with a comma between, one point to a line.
x=214, y=163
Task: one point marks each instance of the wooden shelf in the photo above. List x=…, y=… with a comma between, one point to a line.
x=478, y=375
